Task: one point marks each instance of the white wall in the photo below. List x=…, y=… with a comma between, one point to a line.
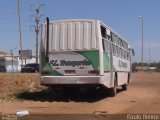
x=9, y=67
x=33, y=60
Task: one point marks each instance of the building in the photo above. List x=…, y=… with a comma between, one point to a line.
x=8, y=63
x=25, y=61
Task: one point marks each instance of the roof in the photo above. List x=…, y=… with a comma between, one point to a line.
x=3, y=53
x=73, y=20
x=7, y=56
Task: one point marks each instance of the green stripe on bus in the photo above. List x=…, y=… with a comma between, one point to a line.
x=51, y=71
x=92, y=56
x=45, y=65
x=106, y=61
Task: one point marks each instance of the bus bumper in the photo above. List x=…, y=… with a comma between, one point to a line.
x=58, y=80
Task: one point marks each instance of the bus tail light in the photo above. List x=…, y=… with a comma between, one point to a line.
x=57, y=68
x=93, y=72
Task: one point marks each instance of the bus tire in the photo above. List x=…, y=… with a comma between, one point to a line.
x=129, y=77
x=124, y=87
x=113, y=91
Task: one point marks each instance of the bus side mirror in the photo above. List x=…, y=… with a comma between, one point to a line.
x=133, y=52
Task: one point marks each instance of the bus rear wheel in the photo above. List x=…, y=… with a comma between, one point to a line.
x=124, y=87
x=113, y=91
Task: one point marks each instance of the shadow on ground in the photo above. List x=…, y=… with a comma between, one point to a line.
x=51, y=96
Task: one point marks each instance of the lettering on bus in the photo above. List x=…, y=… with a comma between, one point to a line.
x=69, y=63
x=122, y=64
x=53, y=63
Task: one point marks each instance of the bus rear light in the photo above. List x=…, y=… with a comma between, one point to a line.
x=57, y=68
x=93, y=72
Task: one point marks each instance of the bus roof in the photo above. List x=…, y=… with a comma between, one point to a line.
x=89, y=20
x=90, y=31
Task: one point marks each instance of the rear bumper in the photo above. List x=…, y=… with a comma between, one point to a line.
x=58, y=80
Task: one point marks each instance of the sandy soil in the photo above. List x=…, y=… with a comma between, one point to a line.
x=23, y=92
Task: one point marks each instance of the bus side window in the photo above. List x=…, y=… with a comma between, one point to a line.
x=103, y=43
x=105, y=39
x=119, y=41
x=106, y=46
x=103, y=32
x=127, y=55
x=114, y=49
x=112, y=37
x=121, y=54
x=117, y=50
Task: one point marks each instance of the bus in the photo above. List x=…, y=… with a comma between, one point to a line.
x=79, y=53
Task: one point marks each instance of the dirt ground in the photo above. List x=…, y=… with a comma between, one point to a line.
x=23, y=92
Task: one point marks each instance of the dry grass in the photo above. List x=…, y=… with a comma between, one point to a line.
x=11, y=84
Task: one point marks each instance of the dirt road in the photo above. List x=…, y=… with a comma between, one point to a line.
x=143, y=96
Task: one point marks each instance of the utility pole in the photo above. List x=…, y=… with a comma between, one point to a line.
x=141, y=17
x=149, y=55
x=12, y=58
x=20, y=33
x=37, y=27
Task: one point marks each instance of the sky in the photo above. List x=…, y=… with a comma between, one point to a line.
x=120, y=15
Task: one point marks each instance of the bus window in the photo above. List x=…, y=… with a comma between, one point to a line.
x=113, y=37
x=127, y=55
x=117, y=52
x=121, y=54
x=133, y=52
x=103, y=31
x=114, y=49
x=106, y=45
x=119, y=40
x=103, y=43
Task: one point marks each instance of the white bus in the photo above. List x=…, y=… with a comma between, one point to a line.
x=83, y=53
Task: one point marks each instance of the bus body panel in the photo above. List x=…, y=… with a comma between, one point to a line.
x=71, y=35
x=121, y=65
x=71, y=63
